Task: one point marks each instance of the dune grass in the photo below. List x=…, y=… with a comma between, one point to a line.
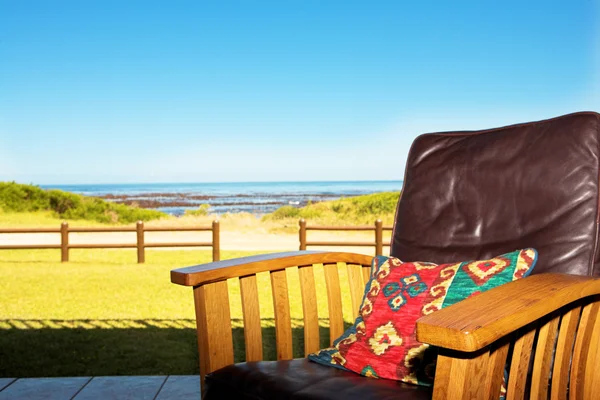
x=117, y=317
x=26, y=198
x=358, y=210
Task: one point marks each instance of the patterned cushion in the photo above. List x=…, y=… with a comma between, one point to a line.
x=382, y=342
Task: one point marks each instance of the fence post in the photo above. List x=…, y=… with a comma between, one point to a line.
x=302, y=234
x=64, y=242
x=216, y=241
x=378, y=237
x=141, y=249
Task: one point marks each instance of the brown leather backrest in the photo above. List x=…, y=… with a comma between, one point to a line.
x=474, y=195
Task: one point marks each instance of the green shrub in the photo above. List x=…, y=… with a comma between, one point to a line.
x=310, y=212
x=347, y=211
x=201, y=211
x=285, y=212
x=375, y=204
x=22, y=198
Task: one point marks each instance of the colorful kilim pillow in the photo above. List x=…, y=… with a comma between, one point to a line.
x=382, y=342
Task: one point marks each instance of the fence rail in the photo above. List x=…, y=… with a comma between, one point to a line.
x=140, y=243
x=378, y=228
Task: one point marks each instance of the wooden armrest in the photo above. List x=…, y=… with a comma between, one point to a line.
x=474, y=323
x=220, y=270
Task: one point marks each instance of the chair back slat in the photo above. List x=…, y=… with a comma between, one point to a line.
x=592, y=378
x=581, y=349
x=214, y=326
x=251, y=312
x=521, y=358
x=452, y=371
x=357, y=286
x=283, y=323
x=564, y=348
x=261, y=294
x=309, y=309
x=544, y=352
x=334, y=301
x=555, y=357
x=366, y=273
x=495, y=370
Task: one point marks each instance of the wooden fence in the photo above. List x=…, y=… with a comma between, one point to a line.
x=140, y=244
x=378, y=228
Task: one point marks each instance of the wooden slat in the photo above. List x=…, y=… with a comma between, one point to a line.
x=495, y=371
x=334, y=302
x=309, y=310
x=366, y=274
x=215, y=343
x=340, y=228
x=103, y=246
x=251, y=311
x=29, y=246
x=343, y=244
x=442, y=376
x=283, y=324
x=580, y=351
x=346, y=228
x=357, y=287
x=564, y=348
x=460, y=378
x=29, y=230
x=592, y=372
x=187, y=244
x=177, y=229
x=103, y=229
x=521, y=358
x=544, y=352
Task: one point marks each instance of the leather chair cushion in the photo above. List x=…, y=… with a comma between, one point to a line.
x=472, y=195
x=302, y=379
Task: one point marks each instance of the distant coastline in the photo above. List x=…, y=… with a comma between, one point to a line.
x=252, y=197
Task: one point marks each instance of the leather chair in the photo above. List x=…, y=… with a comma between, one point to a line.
x=466, y=195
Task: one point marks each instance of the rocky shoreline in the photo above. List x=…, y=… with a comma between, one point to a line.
x=158, y=200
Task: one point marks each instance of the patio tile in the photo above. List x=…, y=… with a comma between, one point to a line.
x=4, y=382
x=122, y=387
x=181, y=387
x=44, y=388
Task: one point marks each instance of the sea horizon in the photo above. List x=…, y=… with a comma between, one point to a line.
x=53, y=185
x=227, y=197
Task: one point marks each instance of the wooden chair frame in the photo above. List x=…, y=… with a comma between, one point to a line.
x=546, y=325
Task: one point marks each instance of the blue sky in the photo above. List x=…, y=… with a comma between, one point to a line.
x=192, y=91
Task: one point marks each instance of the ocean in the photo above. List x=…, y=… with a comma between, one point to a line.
x=253, y=197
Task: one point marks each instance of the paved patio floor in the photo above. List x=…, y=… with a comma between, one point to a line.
x=180, y=387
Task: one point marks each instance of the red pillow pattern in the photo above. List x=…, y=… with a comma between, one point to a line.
x=382, y=342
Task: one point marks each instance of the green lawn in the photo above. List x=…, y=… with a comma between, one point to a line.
x=104, y=314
